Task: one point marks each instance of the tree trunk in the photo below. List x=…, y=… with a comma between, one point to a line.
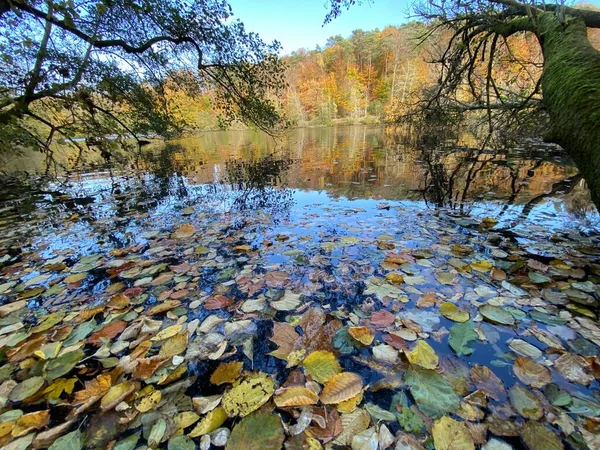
x=571, y=93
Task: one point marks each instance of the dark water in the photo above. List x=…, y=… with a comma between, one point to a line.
x=326, y=207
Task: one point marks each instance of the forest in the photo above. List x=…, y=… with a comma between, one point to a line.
x=374, y=76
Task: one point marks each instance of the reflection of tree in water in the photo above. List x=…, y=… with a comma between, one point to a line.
x=456, y=174
x=259, y=185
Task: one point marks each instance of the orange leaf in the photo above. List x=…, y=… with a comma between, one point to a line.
x=341, y=387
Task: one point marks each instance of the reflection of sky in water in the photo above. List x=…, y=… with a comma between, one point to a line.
x=331, y=171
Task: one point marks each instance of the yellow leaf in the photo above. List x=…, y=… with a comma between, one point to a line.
x=364, y=335
x=296, y=396
x=75, y=278
x=321, y=365
x=211, y=422
x=481, y=266
x=54, y=391
x=116, y=394
x=174, y=346
x=423, y=355
x=184, y=231
x=167, y=333
x=248, y=394
x=453, y=312
x=394, y=278
x=148, y=402
x=118, y=301
x=489, y=222
x=227, y=373
x=449, y=434
x=341, y=387
x=29, y=422
x=242, y=248
x=93, y=388
x=295, y=357
x=186, y=418
x=48, y=351
x=349, y=406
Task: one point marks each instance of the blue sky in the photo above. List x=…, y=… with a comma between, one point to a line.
x=298, y=23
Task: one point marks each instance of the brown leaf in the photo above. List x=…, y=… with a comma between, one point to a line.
x=382, y=318
x=286, y=337
x=110, y=331
x=163, y=307
x=184, y=231
x=488, y=382
x=97, y=387
x=329, y=425
x=217, y=302
x=341, y=387
x=295, y=396
x=531, y=373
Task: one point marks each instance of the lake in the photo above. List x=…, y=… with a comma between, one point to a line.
x=344, y=266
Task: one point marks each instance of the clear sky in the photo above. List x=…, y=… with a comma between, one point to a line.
x=299, y=23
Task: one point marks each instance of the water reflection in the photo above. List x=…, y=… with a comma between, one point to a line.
x=244, y=171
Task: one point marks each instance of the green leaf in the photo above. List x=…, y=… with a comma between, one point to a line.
x=80, y=332
x=538, y=437
x=379, y=413
x=497, y=315
x=129, y=442
x=433, y=394
x=70, y=441
x=461, y=335
x=262, y=429
x=410, y=421
x=181, y=442
x=62, y=365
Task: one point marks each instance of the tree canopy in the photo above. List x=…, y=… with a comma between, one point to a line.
x=95, y=72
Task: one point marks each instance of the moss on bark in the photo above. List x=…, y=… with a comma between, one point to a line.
x=571, y=92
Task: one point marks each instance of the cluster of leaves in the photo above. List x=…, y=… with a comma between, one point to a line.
x=386, y=329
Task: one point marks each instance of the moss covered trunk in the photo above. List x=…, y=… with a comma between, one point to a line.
x=571, y=90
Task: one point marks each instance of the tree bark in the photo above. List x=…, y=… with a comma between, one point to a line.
x=571, y=93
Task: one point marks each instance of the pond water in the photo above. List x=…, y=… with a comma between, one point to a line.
x=455, y=282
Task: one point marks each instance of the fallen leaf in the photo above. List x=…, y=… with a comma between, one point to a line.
x=341, y=387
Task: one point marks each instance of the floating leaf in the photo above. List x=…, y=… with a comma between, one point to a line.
x=538, y=437
x=497, y=315
x=379, y=413
x=574, y=368
x=452, y=312
x=288, y=302
x=56, y=368
x=148, y=402
x=261, y=430
x=321, y=365
x=248, y=394
x=461, y=335
x=449, y=434
x=487, y=381
x=167, y=333
x=116, y=394
x=181, y=442
x=295, y=396
x=433, y=394
x=531, y=373
x=70, y=441
x=26, y=389
x=364, y=335
x=227, y=373
x=341, y=387
x=184, y=231
x=423, y=355
x=213, y=420
x=525, y=403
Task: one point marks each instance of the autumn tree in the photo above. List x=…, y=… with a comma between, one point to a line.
x=566, y=89
x=92, y=72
